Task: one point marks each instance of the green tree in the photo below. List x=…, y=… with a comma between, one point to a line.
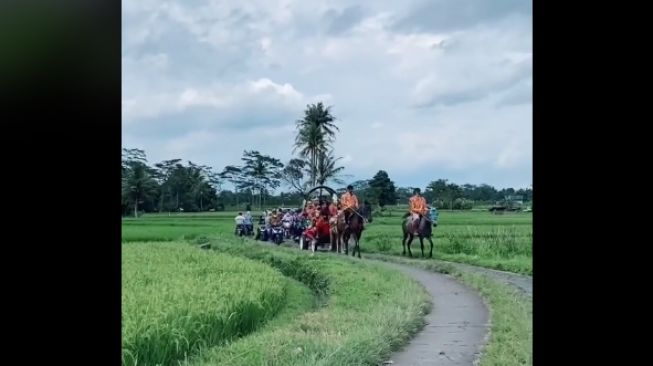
x=403, y=194
x=261, y=172
x=436, y=192
x=293, y=175
x=164, y=171
x=201, y=189
x=327, y=169
x=138, y=183
x=233, y=174
x=383, y=189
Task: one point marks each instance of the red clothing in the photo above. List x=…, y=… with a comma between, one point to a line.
x=310, y=233
x=323, y=228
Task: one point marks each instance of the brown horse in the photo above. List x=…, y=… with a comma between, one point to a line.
x=337, y=230
x=424, y=230
x=354, y=230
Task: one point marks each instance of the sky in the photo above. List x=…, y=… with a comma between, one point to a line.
x=424, y=90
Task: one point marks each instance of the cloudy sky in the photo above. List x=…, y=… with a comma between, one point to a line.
x=423, y=89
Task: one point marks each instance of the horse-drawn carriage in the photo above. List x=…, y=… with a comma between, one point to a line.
x=334, y=233
x=313, y=198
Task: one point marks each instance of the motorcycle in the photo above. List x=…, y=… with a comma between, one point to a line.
x=298, y=228
x=248, y=229
x=240, y=230
x=277, y=233
x=287, y=229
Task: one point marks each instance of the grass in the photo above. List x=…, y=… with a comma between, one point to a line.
x=177, y=300
x=180, y=227
x=511, y=314
x=366, y=312
x=501, y=242
x=357, y=312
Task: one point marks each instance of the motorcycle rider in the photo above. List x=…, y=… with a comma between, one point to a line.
x=248, y=223
x=240, y=219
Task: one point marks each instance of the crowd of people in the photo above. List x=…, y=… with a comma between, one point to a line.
x=316, y=218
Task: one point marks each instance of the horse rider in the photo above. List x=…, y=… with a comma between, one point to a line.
x=349, y=203
x=417, y=205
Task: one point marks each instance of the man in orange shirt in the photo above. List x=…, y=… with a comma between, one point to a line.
x=349, y=202
x=417, y=206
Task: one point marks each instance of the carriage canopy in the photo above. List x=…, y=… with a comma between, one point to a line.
x=319, y=192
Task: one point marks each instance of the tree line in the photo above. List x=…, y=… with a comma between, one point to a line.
x=172, y=185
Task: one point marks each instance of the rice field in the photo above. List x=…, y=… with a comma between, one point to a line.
x=363, y=313
x=503, y=242
x=153, y=227
x=177, y=300
x=248, y=303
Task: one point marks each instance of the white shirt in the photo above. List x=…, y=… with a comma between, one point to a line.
x=240, y=219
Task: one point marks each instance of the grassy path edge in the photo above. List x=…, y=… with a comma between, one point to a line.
x=511, y=333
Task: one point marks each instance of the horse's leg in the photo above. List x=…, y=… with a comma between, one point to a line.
x=410, y=240
x=337, y=239
x=358, y=247
x=353, y=250
x=403, y=243
x=431, y=252
x=421, y=244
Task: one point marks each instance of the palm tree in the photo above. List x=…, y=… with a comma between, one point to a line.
x=327, y=169
x=199, y=186
x=138, y=184
x=235, y=175
x=316, y=133
x=311, y=142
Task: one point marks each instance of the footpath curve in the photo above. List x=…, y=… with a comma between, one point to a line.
x=456, y=329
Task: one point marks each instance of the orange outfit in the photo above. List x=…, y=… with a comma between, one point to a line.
x=417, y=205
x=349, y=200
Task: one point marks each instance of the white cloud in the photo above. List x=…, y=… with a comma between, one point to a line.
x=415, y=92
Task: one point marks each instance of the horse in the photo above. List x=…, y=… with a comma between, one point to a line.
x=337, y=230
x=424, y=230
x=355, y=229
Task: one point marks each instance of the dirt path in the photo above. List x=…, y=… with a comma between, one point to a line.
x=456, y=328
